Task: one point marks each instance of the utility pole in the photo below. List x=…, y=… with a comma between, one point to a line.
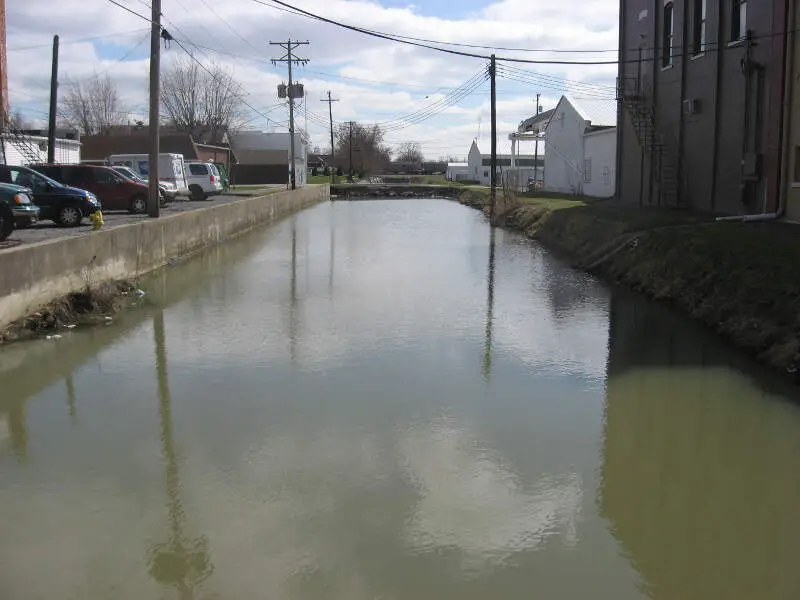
x=153, y=201
x=330, y=102
x=51, y=126
x=492, y=72
x=536, y=145
x=350, y=145
x=289, y=45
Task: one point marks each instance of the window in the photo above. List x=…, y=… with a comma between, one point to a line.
x=485, y=173
x=105, y=176
x=738, y=20
x=587, y=170
x=606, y=176
x=200, y=169
x=668, y=35
x=699, y=27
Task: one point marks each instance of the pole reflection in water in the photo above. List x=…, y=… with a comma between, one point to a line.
x=293, y=300
x=179, y=562
x=487, y=351
x=73, y=412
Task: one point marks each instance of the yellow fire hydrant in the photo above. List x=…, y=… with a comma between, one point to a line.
x=96, y=219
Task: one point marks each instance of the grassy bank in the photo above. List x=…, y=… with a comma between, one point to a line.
x=741, y=279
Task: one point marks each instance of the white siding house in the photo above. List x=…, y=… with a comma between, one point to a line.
x=599, y=162
x=569, y=169
x=27, y=149
x=480, y=165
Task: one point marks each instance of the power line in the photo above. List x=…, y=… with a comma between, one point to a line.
x=133, y=12
x=78, y=40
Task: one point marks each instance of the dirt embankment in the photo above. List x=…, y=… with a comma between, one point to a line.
x=92, y=306
x=740, y=279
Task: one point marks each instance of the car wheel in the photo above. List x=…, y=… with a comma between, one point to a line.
x=196, y=192
x=138, y=205
x=6, y=224
x=69, y=216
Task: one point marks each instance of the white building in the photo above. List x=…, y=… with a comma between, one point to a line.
x=581, y=143
x=480, y=165
x=457, y=171
x=23, y=149
x=262, y=143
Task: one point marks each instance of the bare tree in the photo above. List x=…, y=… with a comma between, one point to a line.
x=409, y=152
x=369, y=153
x=203, y=103
x=92, y=106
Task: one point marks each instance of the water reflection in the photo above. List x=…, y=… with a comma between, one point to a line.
x=71, y=408
x=701, y=490
x=180, y=562
x=487, y=352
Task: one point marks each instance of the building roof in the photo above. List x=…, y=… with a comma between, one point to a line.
x=536, y=121
x=600, y=112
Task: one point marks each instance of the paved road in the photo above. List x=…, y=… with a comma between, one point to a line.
x=47, y=230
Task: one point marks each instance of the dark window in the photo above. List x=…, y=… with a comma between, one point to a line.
x=738, y=19
x=587, y=170
x=105, y=176
x=668, y=35
x=198, y=169
x=699, y=27
x=76, y=176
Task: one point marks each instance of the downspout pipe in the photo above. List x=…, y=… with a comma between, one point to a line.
x=785, y=126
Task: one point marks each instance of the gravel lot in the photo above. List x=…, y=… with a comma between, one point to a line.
x=47, y=230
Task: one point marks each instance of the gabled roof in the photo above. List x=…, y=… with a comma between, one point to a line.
x=539, y=120
x=598, y=111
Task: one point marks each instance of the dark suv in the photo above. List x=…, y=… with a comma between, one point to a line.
x=16, y=209
x=65, y=205
x=115, y=191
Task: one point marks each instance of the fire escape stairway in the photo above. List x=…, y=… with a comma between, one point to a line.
x=23, y=143
x=663, y=160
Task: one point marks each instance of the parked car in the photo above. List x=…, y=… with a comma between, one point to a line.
x=16, y=209
x=115, y=191
x=203, y=179
x=171, y=170
x=57, y=202
x=129, y=173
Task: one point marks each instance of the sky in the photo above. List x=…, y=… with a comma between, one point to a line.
x=435, y=99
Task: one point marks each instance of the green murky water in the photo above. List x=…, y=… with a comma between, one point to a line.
x=383, y=400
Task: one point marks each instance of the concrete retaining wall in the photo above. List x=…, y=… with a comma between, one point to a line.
x=33, y=275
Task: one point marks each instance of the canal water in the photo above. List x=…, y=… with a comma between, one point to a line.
x=387, y=400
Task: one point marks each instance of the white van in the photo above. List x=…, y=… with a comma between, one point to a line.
x=171, y=170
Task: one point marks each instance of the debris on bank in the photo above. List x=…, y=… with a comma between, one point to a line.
x=88, y=307
x=740, y=279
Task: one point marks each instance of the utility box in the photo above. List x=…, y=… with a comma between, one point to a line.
x=282, y=90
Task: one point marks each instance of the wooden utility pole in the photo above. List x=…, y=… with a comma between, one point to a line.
x=153, y=201
x=350, y=145
x=330, y=102
x=51, y=125
x=493, y=180
x=289, y=60
x=536, y=145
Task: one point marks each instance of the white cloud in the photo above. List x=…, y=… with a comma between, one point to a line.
x=345, y=62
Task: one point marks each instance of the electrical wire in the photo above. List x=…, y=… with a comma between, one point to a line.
x=80, y=40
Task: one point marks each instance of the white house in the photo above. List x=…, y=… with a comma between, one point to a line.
x=253, y=144
x=581, y=146
x=457, y=171
x=23, y=148
x=480, y=165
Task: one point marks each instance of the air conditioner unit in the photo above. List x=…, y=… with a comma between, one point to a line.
x=691, y=106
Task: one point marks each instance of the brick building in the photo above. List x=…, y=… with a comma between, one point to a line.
x=701, y=90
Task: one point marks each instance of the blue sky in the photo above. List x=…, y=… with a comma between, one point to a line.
x=349, y=64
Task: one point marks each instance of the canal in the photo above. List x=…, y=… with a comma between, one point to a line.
x=387, y=400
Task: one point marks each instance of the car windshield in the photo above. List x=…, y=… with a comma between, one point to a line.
x=31, y=179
